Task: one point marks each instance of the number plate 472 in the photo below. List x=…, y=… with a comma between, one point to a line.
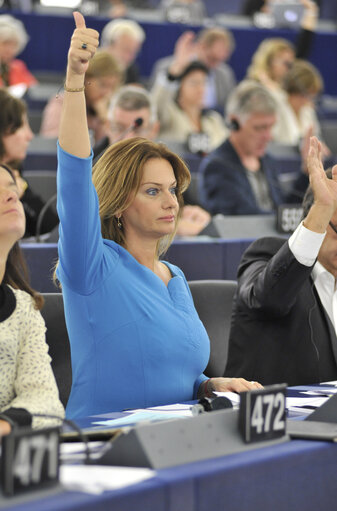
x=262, y=413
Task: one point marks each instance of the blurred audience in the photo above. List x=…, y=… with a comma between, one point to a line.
x=183, y=11
x=271, y=62
x=179, y=99
x=13, y=40
x=239, y=178
x=124, y=39
x=15, y=136
x=102, y=79
x=296, y=114
x=309, y=18
x=213, y=47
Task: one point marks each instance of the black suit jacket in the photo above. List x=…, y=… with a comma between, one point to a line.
x=280, y=331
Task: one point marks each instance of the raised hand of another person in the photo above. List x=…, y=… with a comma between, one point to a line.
x=324, y=190
x=184, y=51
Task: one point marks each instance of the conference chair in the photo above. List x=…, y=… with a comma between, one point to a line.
x=58, y=342
x=213, y=300
x=191, y=195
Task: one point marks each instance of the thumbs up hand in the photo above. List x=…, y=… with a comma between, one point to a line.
x=83, y=45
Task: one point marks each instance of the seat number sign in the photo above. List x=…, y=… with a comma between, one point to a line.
x=30, y=459
x=262, y=414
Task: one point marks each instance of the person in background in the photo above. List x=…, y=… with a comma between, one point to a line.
x=296, y=115
x=131, y=104
x=183, y=11
x=213, y=47
x=136, y=339
x=103, y=78
x=124, y=39
x=27, y=382
x=13, y=40
x=15, y=136
x=308, y=20
x=274, y=56
x=179, y=99
x=238, y=177
x=271, y=62
x=283, y=325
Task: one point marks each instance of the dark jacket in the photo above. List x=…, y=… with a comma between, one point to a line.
x=280, y=331
x=225, y=188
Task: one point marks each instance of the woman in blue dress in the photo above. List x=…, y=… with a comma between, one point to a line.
x=136, y=339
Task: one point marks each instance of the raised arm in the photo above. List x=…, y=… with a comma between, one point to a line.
x=324, y=189
x=73, y=133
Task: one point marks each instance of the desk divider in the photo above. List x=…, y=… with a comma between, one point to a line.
x=180, y=441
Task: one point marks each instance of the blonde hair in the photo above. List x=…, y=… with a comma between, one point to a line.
x=303, y=78
x=104, y=64
x=117, y=176
x=265, y=53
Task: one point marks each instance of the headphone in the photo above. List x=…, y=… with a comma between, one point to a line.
x=233, y=124
x=240, y=97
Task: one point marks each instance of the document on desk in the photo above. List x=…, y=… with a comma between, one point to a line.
x=158, y=413
x=97, y=478
x=291, y=402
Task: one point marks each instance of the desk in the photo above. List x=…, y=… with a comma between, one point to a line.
x=50, y=35
x=199, y=260
x=297, y=475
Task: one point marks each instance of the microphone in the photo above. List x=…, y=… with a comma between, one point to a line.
x=137, y=123
x=207, y=404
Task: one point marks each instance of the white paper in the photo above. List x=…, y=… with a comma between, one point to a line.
x=157, y=413
x=99, y=478
x=313, y=401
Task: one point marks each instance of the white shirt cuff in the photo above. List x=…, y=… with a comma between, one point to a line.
x=305, y=244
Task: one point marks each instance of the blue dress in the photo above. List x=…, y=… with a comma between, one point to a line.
x=135, y=342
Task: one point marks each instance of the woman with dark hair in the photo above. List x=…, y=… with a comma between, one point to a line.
x=27, y=382
x=136, y=338
x=15, y=136
x=179, y=99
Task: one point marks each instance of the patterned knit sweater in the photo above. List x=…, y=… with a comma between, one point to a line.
x=27, y=383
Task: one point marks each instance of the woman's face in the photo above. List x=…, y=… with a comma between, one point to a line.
x=8, y=50
x=12, y=216
x=192, y=88
x=280, y=64
x=16, y=144
x=153, y=212
x=101, y=88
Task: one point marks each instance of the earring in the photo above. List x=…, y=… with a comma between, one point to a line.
x=119, y=223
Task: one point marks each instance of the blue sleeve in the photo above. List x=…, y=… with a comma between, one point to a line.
x=80, y=247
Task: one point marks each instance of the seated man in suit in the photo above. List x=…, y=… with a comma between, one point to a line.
x=238, y=177
x=285, y=314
